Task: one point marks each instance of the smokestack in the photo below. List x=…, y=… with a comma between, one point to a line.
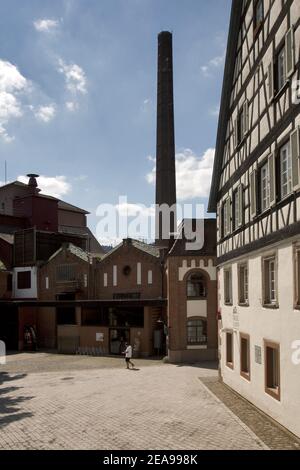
x=165, y=141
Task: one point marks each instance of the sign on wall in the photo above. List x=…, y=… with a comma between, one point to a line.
x=235, y=319
x=257, y=350
x=99, y=336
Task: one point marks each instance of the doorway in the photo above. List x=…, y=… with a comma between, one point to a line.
x=9, y=327
x=117, y=339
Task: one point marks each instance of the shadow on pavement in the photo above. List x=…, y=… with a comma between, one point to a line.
x=210, y=365
x=10, y=410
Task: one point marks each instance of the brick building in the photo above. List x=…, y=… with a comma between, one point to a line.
x=192, y=298
x=161, y=297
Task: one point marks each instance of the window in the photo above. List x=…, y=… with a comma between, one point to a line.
x=127, y=295
x=24, y=279
x=243, y=284
x=227, y=286
x=226, y=213
x=258, y=15
x=272, y=369
x=196, y=332
x=245, y=356
x=94, y=316
x=66, y=315
x=285, y=170
x=229, y=349
x=196, y=286
x=280, y=69
x=241, y=123
x=264, y=187
x=237, y=207
x=269, y=277
x=65, y=272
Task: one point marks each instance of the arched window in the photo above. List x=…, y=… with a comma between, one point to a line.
x=196, y=285
x=196, y=331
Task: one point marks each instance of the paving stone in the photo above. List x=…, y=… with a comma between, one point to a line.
x=271, y=433
x=49, y=404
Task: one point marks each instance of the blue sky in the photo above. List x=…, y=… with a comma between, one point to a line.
x=78, y=94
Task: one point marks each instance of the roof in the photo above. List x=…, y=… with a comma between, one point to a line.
x=73, y=230
x=209, y=239
x=75, y=250
x=234, y=26
x=14, y=183
x=69, y=207
x=142, y=246
x=7, y=237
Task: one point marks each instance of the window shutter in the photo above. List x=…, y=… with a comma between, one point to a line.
x=289, y=52
x=270, y=83
x=246, y=116
x=235, y=132
x=228, y=216
x=253, y=205
x=295, y=153
x=272, y=179
x=240, y=198
x=219, y=214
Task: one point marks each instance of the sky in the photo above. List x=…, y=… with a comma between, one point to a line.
x=78, y=95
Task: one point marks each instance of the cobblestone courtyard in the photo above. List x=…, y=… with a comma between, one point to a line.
x=73, y=402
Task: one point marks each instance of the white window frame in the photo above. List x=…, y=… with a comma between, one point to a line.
x=285, y=155
x=228, y=286
x=269, y=281
x=243, y=283
x=264, y=186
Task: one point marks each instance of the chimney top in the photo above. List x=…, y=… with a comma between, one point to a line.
x=165, y=33
x=32, y=183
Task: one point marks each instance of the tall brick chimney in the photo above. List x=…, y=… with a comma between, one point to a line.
x=165, y=141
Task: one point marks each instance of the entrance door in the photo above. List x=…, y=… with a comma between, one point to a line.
x=9, y=327
x=117, y=339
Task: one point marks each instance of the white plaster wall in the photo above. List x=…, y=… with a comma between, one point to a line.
x=25, y=293
x=196, y=308
x=280, y=325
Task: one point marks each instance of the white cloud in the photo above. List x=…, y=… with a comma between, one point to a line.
x=131, y=210
x=45, y=113
x=212, y=64
x=11, y=79
x=74, y=76
x=71, y=105
x=9, y=106
x=56, y=186
x=46, y=25
x=5, y=136
x=193, y=174
x=12, y=83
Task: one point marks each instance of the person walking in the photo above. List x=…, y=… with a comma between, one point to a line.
x=128, y=355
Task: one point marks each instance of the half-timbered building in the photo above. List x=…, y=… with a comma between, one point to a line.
x=256, y=195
